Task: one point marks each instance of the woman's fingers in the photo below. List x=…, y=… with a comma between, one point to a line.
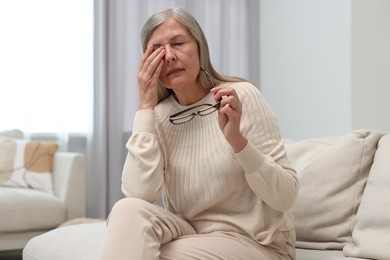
x=229, y=116
x=230, y=109
x=151, y=60
x=147, y=53
x=148, y=74
x=231, y=102
x=222, y=92
x=228, y=98
x=156, y=73
x=155, y=62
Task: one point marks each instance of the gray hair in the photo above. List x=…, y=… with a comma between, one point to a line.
x=186, y=19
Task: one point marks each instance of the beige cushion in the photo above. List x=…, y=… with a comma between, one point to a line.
x=27, y=164
x=24, y=209
x=68, y=243
x=371, y=235
x=332, y=173
x=307, y=254
x=15, y=133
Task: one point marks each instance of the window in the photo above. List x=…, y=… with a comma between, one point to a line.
x=46, y=65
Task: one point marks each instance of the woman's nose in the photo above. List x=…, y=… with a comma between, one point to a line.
x=169, y=55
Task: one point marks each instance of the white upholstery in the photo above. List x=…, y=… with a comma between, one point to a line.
x=25, y=213
x=92, y=236
x=69, y=183
x=24, y=209
x=370, y=237
x=307, y=254
x=15, y=133
x=332, y=172
x=81, y=242
x=351, y=168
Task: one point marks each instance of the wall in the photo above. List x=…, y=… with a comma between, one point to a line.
x=324, y=69
x=371, y=64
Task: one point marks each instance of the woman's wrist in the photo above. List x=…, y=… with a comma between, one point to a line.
x=146, y=105
x=142, y=107
x=238, y=143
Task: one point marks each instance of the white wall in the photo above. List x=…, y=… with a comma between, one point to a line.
x=317, y=67
x=305, y=65
x=371, y=64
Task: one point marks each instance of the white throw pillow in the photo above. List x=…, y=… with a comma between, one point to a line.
x=15, y=133
x=370, y=237
x=332, y=173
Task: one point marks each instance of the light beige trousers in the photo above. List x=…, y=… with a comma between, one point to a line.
x=139, y=230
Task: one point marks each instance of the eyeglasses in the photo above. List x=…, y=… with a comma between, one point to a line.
x=188, y=114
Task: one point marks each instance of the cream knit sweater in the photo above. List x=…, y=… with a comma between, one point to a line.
x=203, y=180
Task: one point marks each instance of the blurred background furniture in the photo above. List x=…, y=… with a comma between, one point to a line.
x=27, y=212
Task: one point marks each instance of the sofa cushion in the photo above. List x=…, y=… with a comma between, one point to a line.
x=332, y=173
x=26, y=163
x=370, y=237
x=68, y=243
x=25, y=209
x=307, y=254
x=15, y=133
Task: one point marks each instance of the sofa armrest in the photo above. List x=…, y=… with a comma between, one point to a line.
x=69, y=182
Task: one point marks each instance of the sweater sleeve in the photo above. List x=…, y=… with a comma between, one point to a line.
x=264, y=160
x=143, y=171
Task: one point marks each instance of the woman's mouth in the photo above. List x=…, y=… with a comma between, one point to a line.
x=174, y=71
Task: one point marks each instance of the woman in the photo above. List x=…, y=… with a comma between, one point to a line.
x=210, y=145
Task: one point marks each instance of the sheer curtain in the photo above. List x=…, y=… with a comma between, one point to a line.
x=46, y=65
x=232, y=30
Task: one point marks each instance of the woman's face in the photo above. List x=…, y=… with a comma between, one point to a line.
x=181, y=62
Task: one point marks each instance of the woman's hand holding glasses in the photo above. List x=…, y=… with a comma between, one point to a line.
x=229, y=116
x=148, y=74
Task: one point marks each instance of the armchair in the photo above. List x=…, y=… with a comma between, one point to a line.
x=25, y=213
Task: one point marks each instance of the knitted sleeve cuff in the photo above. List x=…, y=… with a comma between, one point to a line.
x=144, y=121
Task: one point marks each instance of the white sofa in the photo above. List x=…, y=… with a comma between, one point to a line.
x=342, y=211
x=26, y=213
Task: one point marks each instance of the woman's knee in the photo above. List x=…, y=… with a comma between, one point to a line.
x=129, y=207
x=126, y=203
x=212, y=246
